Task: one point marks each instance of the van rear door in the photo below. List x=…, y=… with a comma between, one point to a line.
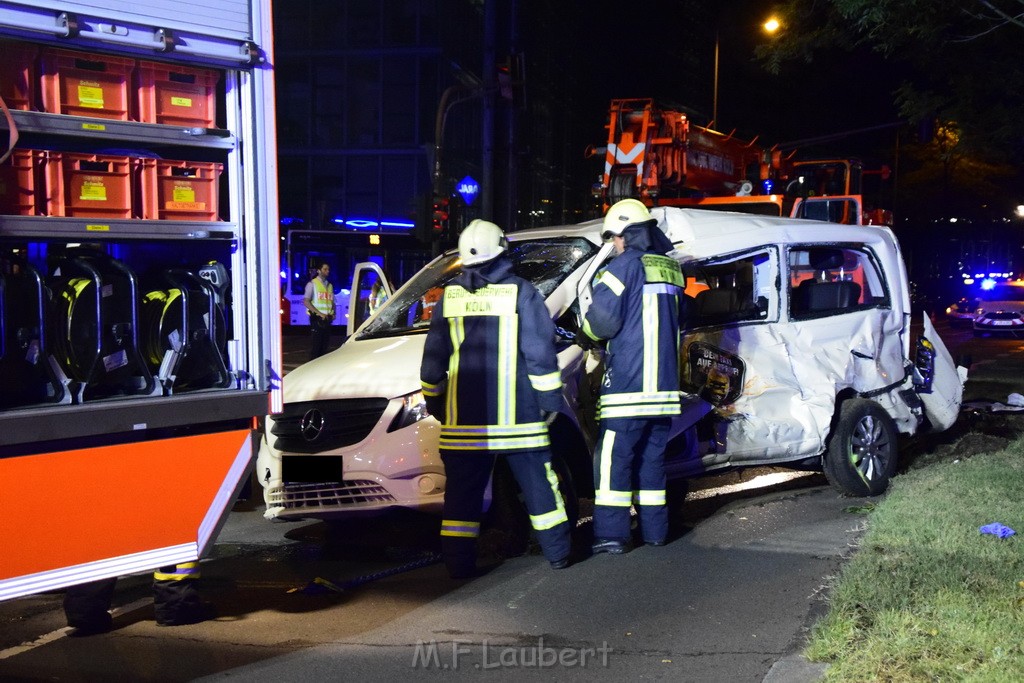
x=942, y=387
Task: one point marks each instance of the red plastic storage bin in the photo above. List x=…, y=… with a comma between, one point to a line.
x=85, y=84
x=49, y=183
x=93, y=186
x=177, y=95
x=18, y=184
x=178, y=190
x=18, y=74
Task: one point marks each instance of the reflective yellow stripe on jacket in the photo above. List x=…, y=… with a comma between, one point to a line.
x=497, y=437
x=639, y=404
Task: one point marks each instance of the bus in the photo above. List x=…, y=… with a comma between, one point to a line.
x=399, y=255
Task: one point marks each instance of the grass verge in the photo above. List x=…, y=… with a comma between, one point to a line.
x=927, y=597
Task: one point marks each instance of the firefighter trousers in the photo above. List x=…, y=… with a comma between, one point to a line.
x=467, y=475
x=175, y=599
x=630, y=468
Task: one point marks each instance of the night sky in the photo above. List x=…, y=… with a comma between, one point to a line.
x=665, y=50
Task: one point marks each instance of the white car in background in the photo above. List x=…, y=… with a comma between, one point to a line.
x=962, y=312
x=1001, y=310
x=798, y=351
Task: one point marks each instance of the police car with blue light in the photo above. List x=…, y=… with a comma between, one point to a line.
x=1000, y=309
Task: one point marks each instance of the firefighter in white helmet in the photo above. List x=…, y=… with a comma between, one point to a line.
x=636, y=308
x=490, y=376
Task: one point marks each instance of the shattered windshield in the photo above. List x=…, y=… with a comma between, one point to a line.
x=544, y=262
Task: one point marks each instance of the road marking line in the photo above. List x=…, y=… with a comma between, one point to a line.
x=41, y=640
x=63, y=631
x=514, y=602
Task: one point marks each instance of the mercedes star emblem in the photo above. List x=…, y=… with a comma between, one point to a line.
x=312, y=424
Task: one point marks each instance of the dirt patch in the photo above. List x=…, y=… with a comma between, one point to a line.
x=975, y=432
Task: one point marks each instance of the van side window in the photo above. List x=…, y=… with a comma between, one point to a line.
x=739, y=289
x=832, y=280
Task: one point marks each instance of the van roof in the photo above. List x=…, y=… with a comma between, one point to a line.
x=702, y=233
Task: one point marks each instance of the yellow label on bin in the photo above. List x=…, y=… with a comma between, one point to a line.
x=97, y=228
x=184, y=193
x=181, y=101
x=185, y=206
x=94, y=192
x=90, y=96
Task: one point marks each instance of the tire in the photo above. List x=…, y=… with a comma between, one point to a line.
x=508, y=521
x=862, y=452
x=675, y=493
x=621, y=186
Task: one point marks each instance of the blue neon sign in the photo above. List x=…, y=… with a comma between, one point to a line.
x=468, y=189
x=371, y=225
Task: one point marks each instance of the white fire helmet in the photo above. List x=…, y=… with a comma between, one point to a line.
x=480, y=242
x=624, y=214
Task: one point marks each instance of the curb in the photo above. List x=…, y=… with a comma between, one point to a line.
x=795, y=669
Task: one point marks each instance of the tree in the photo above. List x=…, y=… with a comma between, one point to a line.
x=961, y=61
x=962, y=91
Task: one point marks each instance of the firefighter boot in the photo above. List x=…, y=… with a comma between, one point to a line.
x=86, y=607
x=176, y=601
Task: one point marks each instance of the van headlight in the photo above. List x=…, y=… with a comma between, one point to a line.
x=414, y=409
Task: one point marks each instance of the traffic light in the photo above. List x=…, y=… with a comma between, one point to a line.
x=512, y=79
x=439, y=223
x=433, y=215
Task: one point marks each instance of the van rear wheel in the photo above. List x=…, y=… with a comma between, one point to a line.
x=862, y=452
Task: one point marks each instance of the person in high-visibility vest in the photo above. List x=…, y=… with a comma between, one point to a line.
x=319, y=301
x=636, y=308
x=176, y=601
x=490, y=376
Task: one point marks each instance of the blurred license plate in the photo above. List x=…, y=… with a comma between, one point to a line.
x=311, y=469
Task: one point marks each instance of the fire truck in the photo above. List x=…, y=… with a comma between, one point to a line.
x=659, y=156
x=140, y=338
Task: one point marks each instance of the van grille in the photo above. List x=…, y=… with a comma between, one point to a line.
x=354, y=493
x=328, y=424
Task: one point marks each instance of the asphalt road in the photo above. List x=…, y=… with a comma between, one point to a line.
x=727, y=598
x=730, y=598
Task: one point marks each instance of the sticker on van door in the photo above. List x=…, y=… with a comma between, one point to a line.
x=713, y=373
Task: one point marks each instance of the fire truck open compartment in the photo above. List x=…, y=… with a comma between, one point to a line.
x=139, y=326
x=143, y=312
x=108, y=301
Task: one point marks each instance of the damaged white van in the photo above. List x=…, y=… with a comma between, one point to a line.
x=797, y=351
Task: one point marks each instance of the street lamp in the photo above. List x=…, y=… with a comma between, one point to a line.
x=770, y=27
x=714, y=99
